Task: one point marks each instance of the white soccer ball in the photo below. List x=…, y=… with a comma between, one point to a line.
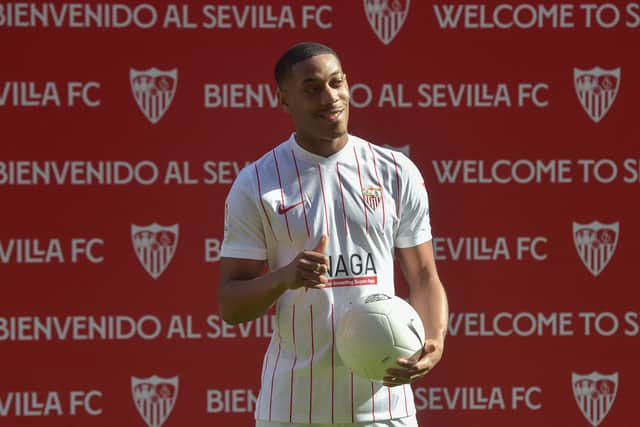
x=375, y=331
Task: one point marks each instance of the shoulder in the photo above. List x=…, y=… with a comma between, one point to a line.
x=386, y=153
x=249, y=176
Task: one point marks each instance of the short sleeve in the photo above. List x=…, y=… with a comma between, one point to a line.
x=414, y=226
x=243, y=228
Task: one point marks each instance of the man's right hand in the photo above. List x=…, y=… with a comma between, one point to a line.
x=309, y=269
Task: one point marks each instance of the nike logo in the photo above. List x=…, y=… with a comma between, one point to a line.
x=282, y=210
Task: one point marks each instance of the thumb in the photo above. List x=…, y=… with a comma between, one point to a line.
x=322, y=244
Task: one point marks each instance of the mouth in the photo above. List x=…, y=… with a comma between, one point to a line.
x=332, y=115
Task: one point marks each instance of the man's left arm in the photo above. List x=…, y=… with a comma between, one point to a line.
x=428, y=297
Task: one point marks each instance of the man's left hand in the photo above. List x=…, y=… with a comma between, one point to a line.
x=410, y=370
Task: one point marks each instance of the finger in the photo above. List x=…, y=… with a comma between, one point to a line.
x=391, y=381
x=399, y=373
x=316, y=267
x=321, y=247
x=308, y=278
x=315, y=257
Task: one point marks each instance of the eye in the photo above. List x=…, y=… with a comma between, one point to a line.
x=311, y=89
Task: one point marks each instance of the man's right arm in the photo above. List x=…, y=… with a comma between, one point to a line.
x=244, y=293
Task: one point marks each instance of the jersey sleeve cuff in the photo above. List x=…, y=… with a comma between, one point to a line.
x=412, y=240
x=244, y=253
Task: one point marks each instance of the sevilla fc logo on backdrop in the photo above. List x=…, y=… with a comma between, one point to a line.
x=596, y=244
x=154, y=398
x=154, y=245
x=153, y=90
x=372, y=196
x=594, y=394
x=386, y=19
x=596, y=89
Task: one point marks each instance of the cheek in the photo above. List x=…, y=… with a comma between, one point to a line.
x=345, y=96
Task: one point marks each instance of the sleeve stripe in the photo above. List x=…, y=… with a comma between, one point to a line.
x=262, y=203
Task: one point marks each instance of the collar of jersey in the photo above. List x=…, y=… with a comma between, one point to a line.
x=317, y=158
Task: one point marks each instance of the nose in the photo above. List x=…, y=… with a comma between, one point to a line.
x=329, y=95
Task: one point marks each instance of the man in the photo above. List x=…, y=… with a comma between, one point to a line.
x=325, y=211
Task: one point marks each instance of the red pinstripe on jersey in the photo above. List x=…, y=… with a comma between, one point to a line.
x=373, y=403
x=286, y=220
x=395, y=164
x=364, y=205
x=295, y=359
x=304, y=209
x=353, y=398
x=375, y=168
x=311, y=364
x=262, y=203
x=333, y=348
x=344, y=210
x=324, y=201
x=264, y=371
x=389, y=393
x=273, y=374
x=406, y=408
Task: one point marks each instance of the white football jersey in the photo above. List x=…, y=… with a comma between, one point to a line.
x=367, y=200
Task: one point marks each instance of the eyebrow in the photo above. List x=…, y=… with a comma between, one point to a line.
x=315, y=79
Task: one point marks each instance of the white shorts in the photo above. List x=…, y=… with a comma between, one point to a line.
x=399, y=422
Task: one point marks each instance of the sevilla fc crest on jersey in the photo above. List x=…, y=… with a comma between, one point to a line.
x=153, y=90
x=372, y=197
x=154, y=245
x=386, y=17
x=154, y=398
x=596, y=244
x=596, y=89
x=594, y=394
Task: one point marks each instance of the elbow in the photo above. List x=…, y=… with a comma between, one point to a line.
x=230, y=317
x=225, y=308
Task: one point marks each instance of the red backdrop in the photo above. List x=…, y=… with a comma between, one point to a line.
x=124, y=124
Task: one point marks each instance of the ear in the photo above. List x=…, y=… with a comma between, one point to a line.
x=282, y=100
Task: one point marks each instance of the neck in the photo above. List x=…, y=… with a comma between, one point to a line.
x=322, y=147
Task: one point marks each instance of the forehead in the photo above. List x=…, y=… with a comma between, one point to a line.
x=318, y=67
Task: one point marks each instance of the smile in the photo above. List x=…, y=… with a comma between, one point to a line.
x=333, y=115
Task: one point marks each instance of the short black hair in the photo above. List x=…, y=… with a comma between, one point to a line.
x=296, y=53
